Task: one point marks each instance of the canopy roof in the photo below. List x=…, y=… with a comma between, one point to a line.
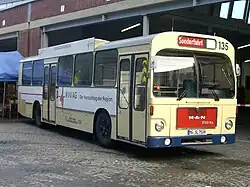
x=9, y=64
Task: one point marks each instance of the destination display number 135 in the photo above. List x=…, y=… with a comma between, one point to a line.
x=223, y=46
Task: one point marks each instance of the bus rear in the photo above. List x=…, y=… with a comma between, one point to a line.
x=192, y=95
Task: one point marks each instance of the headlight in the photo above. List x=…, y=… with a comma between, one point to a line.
x=228, y=124
x=159, y=126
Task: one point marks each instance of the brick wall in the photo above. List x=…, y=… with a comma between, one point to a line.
x=29, y=41
x=22, y=43
x=35, y=41
x=48, y=8
x=14, y=16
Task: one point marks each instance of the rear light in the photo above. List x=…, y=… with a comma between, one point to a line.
x=151, y=109
x=157, y=88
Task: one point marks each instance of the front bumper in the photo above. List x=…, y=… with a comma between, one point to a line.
x=182, y=141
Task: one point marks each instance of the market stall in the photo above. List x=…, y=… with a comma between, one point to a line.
x=9, y=64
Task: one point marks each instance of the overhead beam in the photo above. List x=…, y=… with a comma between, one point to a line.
x=124, y=9
x=2, y=2
x=231, y=25
x=9, y=36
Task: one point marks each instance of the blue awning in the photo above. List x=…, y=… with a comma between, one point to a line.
x=9, y=65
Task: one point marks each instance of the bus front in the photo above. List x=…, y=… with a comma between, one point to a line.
x=192, y=94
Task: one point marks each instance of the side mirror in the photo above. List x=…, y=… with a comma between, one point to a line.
x=238, y=70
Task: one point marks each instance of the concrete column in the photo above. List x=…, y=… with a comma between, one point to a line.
x=44, y=39
x=195, y=2
x=145, y=25
x=210, y=29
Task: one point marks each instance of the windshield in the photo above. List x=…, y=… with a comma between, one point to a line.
x=192, y=76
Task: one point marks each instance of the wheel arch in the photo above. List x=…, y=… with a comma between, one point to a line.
x=98, y=111
x=35, y=104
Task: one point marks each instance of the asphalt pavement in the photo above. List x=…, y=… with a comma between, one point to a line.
x=30, y=156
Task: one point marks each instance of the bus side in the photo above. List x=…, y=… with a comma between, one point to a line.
x=30, y=87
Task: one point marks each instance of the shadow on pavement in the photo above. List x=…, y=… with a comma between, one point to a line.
x=129, y=150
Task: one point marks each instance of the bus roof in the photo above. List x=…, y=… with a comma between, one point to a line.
x=127, y=42
x=93, y=44
x=31, y=58
x=147, y=40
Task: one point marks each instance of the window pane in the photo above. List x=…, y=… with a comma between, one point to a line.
x=46, y=75
x=140, y=84
x=46, y=81
x=37, y=73
x=83, y=69
x=124, y=83
x=105, y=68
x=238, y=9
x=27, y=73
x=65, y=70
x=53, y=84
x=224, y=10
x=174, y=75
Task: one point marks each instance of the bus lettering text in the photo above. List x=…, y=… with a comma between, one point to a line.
x=223, y=46
x=197, y=117
x=71, y=95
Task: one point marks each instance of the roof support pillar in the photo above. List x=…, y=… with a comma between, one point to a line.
x=246, y=12
x=44, y=38
x=145, y=25
x=195, y=2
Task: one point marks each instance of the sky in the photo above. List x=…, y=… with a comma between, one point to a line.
x=238, y=9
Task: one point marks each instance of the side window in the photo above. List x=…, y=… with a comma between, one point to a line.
x=37, y=76
x=140, y=83
x=27, y=73
x=83, y=69
x=124, y=83
x=65, y=70
x=105, y=68
x=46, y=82
x=53, y=84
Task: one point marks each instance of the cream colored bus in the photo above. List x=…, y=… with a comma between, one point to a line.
x=164, y=90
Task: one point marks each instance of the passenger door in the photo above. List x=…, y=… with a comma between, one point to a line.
x=52, y=95
x=124, y=104
x=45, y=110
x=131, y=123
x=49, y=91
x=139, y=112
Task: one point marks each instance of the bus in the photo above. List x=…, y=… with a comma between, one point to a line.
x=170, y=89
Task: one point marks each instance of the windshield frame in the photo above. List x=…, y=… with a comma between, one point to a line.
x=198, y=72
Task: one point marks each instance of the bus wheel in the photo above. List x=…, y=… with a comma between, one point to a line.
x=103, y=128
x=38, y=116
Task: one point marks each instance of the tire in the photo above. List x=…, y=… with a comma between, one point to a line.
x=37, y=116
x=103, y=127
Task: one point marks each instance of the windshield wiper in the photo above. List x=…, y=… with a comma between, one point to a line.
x=216, y=97
x=182, y=95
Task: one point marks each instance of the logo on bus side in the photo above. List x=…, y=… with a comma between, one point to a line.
x=196, y=117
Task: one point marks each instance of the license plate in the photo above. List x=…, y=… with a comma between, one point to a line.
x=196, y=131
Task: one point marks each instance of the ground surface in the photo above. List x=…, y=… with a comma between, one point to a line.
x=30, y=156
